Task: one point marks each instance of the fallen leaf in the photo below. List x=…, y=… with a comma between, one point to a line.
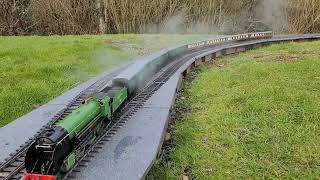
x=184, y=177
x=167, y=136
x=218, y=64
x=205, y=137
x=36, y=105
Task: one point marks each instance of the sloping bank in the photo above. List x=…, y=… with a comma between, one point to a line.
x=255, y=115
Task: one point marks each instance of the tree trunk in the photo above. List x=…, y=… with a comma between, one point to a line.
x=102, y=25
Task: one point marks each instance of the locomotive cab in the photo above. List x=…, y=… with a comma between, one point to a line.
x=45, y=155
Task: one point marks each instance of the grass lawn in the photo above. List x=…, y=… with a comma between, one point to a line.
x=34, y=70
x=258, y=117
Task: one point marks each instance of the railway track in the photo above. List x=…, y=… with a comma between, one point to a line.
x=13, y=167
x=126, y=113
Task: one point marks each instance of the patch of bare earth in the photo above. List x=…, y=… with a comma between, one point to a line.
x=126, y=46
x=283, y=57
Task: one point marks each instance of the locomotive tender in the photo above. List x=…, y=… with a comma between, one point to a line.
x=59, y=147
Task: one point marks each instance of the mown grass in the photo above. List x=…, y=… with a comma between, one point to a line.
x=258, y=117
x=34, y=70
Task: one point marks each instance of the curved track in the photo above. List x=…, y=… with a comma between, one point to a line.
x=13, y=167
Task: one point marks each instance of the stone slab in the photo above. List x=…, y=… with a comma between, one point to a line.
x=198, y=62
x=134, y=147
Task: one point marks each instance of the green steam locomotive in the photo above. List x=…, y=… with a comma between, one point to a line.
x=58, y=148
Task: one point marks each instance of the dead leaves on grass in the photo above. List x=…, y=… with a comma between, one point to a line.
x=289, y=58
x=127, y=46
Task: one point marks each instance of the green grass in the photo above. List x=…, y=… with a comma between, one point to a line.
x=258, y=117
x=34, y=70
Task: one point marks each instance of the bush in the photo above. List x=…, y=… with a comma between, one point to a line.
x=43, y=17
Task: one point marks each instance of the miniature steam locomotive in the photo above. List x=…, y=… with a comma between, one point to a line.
x=59, y=147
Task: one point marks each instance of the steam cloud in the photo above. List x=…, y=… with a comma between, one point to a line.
x=274, y=14
x=262, y=15
x=177, y=24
